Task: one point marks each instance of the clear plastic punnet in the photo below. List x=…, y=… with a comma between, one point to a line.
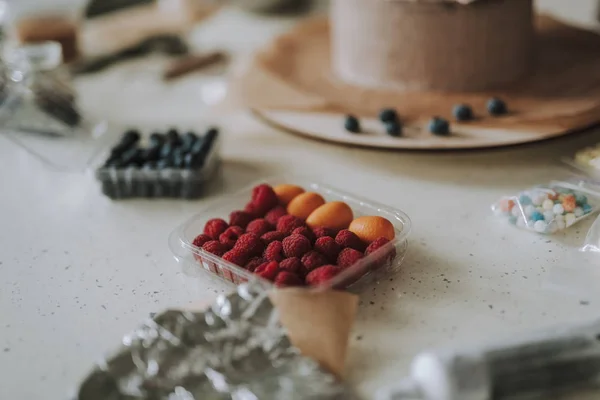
x=550, y=208
x=382, y=263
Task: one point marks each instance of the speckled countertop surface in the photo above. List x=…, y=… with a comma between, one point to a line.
x=78, y=270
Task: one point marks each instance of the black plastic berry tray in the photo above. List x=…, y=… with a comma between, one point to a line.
x=151, y=182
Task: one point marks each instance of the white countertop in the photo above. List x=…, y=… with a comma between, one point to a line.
x=79, y=270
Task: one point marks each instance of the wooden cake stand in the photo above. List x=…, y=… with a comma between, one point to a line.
x=290, y=85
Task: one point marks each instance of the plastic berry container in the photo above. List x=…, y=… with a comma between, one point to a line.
x=152, y=181
x=196, y=262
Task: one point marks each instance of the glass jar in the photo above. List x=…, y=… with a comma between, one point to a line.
x=39, y=107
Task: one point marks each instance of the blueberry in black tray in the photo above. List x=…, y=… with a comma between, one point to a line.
x=170, y=164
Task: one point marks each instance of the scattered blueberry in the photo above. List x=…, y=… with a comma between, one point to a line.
x=388, y=115
x=462, y=112
x=439, y=126
x=393, y=129
x=351, y=124
x=496, y=106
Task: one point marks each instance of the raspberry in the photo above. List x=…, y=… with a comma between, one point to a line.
x=267, y=270
x=201, y=239
x=293, y=265
x=285, y=278
x=274, y=251
x=254, y=263
x=322, y=274
x=288, y=223
x=296, y=246
x=259, y=227
x=264, y=199
x=322, y=231
x=313, y=260
x=214, y=227
x=348, y=257
x=386, y=256
x=214, y=247
x=230, y=236
x=272, y=236
x=250, y=244
x=307, y=233
x=240, y=218
x=236, y=256
x=376, y=245
x=251, y=209
x=273, y=216
x=327, y=246
x=345, y=238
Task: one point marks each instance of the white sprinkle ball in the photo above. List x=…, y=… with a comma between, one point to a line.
x=540, y=226
x=558, y=209
x=529, y=209
x=547, y=204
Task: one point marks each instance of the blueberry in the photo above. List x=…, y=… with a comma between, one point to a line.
x=188, y=140
x=132, y=157
x=393, y=129
x=462, y=112
x=166, y=151
x=156, y=139
x=190, y=160
x=351, y=124
x=439, y=126
x=151, y=153
x=131, y=136
x=173, y=136
x=388, y=115
x=496, y=106
x=197, y=146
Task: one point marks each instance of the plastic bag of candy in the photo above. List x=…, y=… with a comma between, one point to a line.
x=550, y=208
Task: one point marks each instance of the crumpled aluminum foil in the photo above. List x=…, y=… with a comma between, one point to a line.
x=237, y=349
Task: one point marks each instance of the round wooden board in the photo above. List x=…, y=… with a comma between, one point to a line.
x=290, y=85
x=330, y=128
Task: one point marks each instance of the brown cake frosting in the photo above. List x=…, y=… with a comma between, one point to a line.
x=432, y=44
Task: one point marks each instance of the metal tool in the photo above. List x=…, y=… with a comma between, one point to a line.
x=534, y=367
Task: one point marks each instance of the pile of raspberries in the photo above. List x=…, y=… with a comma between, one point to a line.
x=264, y=239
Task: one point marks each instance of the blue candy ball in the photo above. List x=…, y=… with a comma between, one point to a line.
x=524, y=200
x=537, y=216
x=581, y=199
x=586, y=208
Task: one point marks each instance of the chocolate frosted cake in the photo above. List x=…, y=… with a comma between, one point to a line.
x=439, y=45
